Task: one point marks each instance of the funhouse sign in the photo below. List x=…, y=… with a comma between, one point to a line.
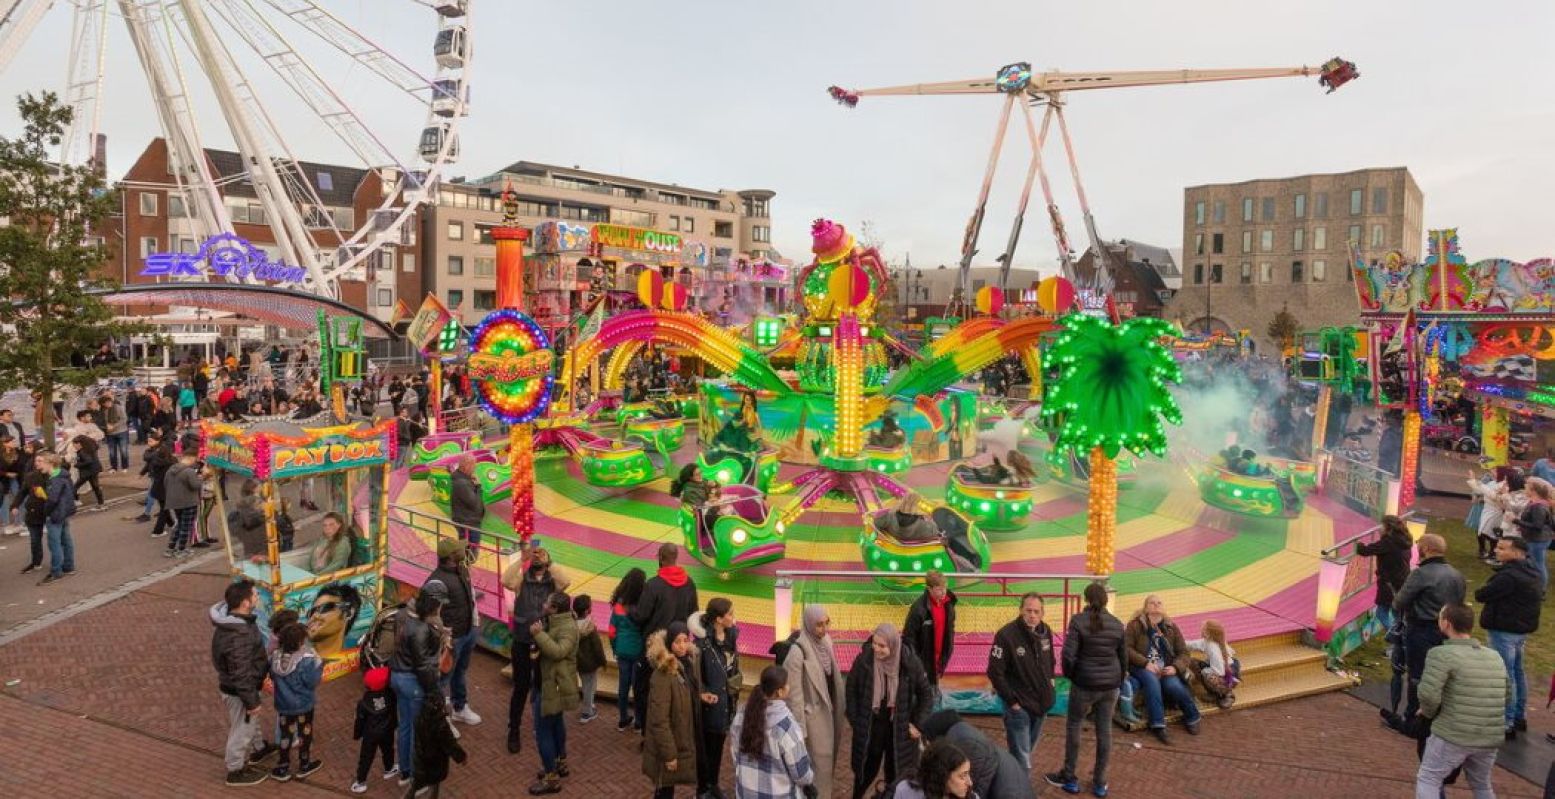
x=223, y=255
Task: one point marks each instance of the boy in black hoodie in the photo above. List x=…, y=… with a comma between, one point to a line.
x=376, y=721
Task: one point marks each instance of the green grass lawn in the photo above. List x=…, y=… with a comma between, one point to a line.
x=1538, y=658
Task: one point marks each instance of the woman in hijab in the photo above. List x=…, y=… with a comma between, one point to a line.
x=815, y=693
x=889, y=698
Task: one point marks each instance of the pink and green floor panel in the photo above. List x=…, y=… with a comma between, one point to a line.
x=1257, y=576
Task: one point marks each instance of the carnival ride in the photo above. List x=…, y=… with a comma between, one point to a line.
x=301, y=42
x=1025, y=88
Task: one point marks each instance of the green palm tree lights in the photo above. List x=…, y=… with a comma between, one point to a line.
x=1110, y=395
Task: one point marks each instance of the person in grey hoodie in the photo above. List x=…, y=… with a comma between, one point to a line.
x=183, y=499
x=296, y=671
x=238, y=654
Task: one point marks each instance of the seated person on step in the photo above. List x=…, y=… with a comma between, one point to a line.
x=1220, y=672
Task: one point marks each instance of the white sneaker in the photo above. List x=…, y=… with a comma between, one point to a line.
x=358, y=787
x=466, y=716
x=391, y=772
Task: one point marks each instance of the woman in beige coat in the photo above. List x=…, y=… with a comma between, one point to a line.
x=815, y=695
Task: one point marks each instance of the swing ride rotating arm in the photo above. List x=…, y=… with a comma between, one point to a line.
x=1045, y=83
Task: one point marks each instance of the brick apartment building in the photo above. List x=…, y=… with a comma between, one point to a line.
x=1253, y=247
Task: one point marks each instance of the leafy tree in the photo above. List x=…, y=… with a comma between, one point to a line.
x=50, y=263
x=1110, y=395
x=1284, y=327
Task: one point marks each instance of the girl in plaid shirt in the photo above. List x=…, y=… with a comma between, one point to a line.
x=770, y=761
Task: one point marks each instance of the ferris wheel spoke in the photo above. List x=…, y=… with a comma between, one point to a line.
x=272, y=47
x=17, y=21
x=84, y=81
x=347, y=40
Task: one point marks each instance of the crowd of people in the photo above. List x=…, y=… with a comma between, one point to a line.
x=680, y=688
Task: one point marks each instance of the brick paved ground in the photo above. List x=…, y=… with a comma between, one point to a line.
x=121, y=701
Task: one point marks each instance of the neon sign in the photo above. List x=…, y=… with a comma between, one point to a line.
x=327, y=455
x=634, y=238
x=223, y=255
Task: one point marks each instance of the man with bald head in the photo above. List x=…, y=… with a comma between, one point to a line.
x=466, y=504
x=1433, y=585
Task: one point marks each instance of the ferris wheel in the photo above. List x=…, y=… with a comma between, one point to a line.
x=300, y=42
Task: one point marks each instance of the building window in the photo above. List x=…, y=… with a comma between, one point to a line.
x=455, y=298
x=149, y=245
x=385, y=298
x=1247, y=273
x=1355, y=235
x=1220, y=212
x=1218, y=243
x=1247, y=241
x=1198, y=244
x=1266, y=240
x=723, y=230
x=408, y=263
x=674, y=223
x=1268, y=209
x=456, y=231
x=1198, y=213
x=483, y=234
x=1265, y=272
x=757, y=208
x=1378, y=235
x=1320, y=205
x=1298, y=240
x=485, y=300
x=1319, y=271
x=1217, y=273
x=1379, y=200
x=1355, y=201
x=485, y=267
x=690, y=225
x=1198, y=273
x=1295, y=271
x=761, y=233
x=1320, y=238
x=176, y=209
x=148, y=204
x=1247, y=209
x=455, y=264
x=1301, y=206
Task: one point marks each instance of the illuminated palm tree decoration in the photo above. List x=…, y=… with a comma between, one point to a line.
x=1111, y=395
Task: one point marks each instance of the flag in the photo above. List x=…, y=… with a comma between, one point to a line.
x=1397, y=342
x=428, y=323
x=401, y=312
x=595, y=322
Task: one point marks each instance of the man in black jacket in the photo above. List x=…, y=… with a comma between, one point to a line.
x=1512, y=597
x=238, y=653
x=466, y=506
x=460, y=618
x=1433, y=585
x=995, y=774
x=930, y=628
x=669, y=596
x=413, y=671
x=1020, y=666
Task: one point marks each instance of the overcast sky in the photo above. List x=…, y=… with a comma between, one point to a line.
x=731, y=94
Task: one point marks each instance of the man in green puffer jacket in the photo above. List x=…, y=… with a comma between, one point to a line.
x=1464, y=691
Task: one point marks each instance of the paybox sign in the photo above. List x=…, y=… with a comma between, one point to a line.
x=326, y=455
x=223, y=255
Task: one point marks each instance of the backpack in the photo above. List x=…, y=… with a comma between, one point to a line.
x=378, y=644
x=779, y=649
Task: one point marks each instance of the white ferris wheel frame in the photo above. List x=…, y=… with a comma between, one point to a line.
x=158, y=27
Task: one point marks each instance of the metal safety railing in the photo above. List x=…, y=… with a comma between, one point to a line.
x=1360, y=486
x=491, y=553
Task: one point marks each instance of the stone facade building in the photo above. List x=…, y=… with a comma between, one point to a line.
x=1253, y=247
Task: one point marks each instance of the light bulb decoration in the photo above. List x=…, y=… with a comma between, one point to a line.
x=510, y=361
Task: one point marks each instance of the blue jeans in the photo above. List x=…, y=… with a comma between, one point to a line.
x=408, y=697
x=118, y=450
x=1536, y=553
x=62, y=551
x=627, y=671
x=1384, y=615
x=453, y=682
x=8, y=489
x=1510, y=646
x=1022, y=729
x=550, y=735
x=1158, y=689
